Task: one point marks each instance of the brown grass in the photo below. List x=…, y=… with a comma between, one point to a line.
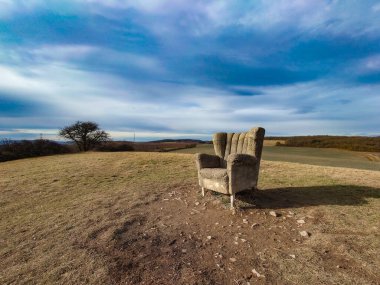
x=128, y=218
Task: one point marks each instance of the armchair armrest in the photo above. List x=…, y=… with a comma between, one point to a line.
x=204, y=160
x=241, y=160
x=241, y=170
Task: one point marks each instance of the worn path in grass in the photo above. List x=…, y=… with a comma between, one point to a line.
x=138, y=218
x=308, y=155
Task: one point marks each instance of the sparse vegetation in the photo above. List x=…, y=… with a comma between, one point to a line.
x=130, y=218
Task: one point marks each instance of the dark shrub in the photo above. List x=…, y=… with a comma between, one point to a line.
x=114, y=146
x=10, y=150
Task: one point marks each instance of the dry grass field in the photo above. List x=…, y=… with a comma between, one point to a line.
x=139, y=218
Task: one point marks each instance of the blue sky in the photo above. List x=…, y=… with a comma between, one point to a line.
x=190, y=68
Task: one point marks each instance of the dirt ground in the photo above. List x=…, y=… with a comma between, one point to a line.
x=182, y=238
x=140, y=219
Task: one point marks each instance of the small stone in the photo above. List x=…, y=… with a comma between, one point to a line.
x=209, y=237
x=254, y=225
x=196, y=203
x=245, y=221
x=301, y=221
x=243, y=240
x=184, y=250
x=216, y=224
x=232, y=259
x=236, y=243
x=291, y=213
x=273, y=213
x=257, y=273
x=304, y=233
x=292, y=255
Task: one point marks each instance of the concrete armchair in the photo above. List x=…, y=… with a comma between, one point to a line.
x=235, y=167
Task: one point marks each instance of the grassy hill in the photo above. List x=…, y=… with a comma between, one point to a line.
x=130, y=218
x=308, y=155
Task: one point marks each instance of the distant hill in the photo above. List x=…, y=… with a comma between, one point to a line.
x=355, y=143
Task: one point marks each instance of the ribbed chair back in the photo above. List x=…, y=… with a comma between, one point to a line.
x=250, y=142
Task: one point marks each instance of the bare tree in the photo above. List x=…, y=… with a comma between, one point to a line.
x=85, y=134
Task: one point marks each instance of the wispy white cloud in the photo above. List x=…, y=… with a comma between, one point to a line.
x=372, y=63
x=126, y=106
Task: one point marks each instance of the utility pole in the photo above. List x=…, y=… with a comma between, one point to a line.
x=134, y=137
x=41, y=136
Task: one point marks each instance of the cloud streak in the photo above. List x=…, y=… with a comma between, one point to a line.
x=164, y=69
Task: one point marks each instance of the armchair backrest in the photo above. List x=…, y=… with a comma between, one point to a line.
x=250, y=142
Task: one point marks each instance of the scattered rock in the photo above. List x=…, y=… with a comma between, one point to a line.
x=292, y=255
x=209, y=237
x=184, y=250
x=196, y=203
x=291, y=213
x=254, y=225
x=232, y=259
x=257, y=274
x=304, y=233
x=245, y=221
x=273, y=213
x=301, y=222
x=243, y=240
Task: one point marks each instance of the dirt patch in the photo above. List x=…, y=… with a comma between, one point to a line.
x=186, y=239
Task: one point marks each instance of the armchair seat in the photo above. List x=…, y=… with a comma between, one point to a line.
x=214, y=173
x=235, y=165
x=215, y=179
